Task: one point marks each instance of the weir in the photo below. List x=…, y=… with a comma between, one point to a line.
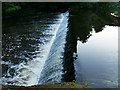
x=47, y=64
x=53, y=68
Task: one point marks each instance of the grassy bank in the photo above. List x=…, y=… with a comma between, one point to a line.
x=52, y=86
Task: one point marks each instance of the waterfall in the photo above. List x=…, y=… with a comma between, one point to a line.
x=47, y=65
x=53, y=67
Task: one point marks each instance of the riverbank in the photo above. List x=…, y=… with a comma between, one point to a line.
x=50, y=86
x=16, y=9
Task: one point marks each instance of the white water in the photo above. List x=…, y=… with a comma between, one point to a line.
x=29, y=73
x=53, y=68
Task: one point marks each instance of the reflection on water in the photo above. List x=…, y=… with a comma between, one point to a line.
x=54, y=48
x=98, y=59
x=82, y=22
x=96, y=48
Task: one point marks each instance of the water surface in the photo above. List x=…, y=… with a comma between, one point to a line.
x=97, y=60
x=27, y=43
x=96, y=52
x=61, y=47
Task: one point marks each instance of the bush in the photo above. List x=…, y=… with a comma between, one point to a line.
x=10, y=7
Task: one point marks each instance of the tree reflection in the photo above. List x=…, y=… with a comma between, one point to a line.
x=81, y=23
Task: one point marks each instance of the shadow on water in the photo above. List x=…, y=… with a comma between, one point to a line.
x=70, y=47
x=22, y=41
x=81, y=24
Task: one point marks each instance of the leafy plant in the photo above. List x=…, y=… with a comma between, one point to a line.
x=75, y=81
x=116, y=12
x=10, y=7
x=86, y=83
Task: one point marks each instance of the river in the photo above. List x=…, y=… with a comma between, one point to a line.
x=58, y=47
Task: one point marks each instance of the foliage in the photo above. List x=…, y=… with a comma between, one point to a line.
x=14, y=7
x=86, y=83
x=10, y=7
x=75, y=81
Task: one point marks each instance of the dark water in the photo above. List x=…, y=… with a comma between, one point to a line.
x=26, y=44
x=96, y=52
x=61, y=47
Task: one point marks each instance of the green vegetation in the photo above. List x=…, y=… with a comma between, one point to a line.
x=20, y=8
x=86, y=83
x=10, y=7
x=53, y=86
x=76, y=81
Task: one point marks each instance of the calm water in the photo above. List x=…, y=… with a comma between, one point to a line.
x=96, y=52
x=61, y=47
x=97, y=61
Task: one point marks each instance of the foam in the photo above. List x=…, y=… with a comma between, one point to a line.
x=29, y=73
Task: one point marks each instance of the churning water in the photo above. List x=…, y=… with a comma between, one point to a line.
x=61, y=47
x=27, y=65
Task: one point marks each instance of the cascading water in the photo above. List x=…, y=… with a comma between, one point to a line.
x=53, y=68
x=47, y=65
